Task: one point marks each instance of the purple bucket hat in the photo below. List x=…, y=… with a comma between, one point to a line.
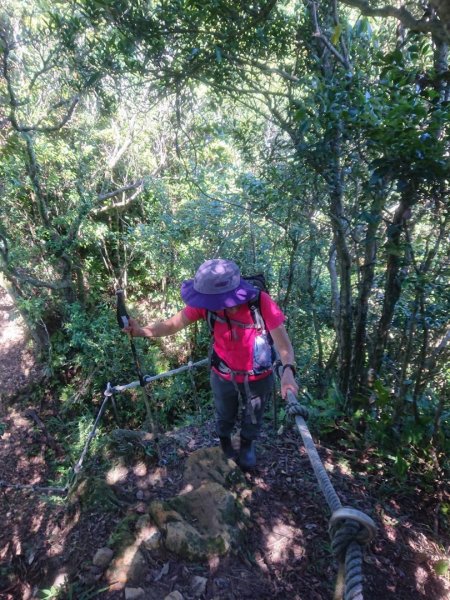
x=217, y=285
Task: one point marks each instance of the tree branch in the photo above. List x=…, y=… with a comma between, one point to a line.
x=402, y=14
x=4, y=251
x=33, y=173
x=51, y=128
x=24, y=278
x=125, y=188
x=14, y=103
x=262, y=67
x=118, y=205
x=326, y=42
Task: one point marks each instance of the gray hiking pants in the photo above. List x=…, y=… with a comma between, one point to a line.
x=226, y=400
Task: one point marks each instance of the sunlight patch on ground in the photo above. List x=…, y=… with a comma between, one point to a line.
x=391, y=534
x=344, y=467
x=140, y=470
x=421, y=577
x=116, y=474
x=16, y=544
x=261, y=484
x=390, y=524
x=61, y=578
x=157, y=476
x=18, y=419
x=283, y=542
x=187, y=488
x=23, y=467
x=418, y=541
x=330, y=467
x=11, y=333
x=213, y=563
x=3, y=552
x=36, y=522
x=426, y=550
x=124, y=567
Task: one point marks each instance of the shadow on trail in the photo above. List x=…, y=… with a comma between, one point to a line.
x=286, y=551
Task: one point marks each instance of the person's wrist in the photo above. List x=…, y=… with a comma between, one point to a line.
x=289, y=366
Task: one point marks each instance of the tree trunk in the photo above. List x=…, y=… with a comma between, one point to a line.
x=394, y=277
x=312, y=300
x=290, y=277
x=335, y=303
x=409, y=339
x=344, y=264
x=419, y=380
x=358, y=378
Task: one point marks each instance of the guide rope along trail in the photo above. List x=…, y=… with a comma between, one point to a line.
x=350, y=529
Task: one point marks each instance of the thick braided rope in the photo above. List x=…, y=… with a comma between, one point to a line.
x=347, y=539
x=353, y=572
x=322, y=476
x=349, y=534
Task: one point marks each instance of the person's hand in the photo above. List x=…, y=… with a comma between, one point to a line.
x=288, y=383
x=134, y=329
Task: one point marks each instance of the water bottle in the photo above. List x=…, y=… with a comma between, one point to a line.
x=262, y=353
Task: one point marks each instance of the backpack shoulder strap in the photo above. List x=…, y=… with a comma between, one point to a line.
x=211, y=318
x=254, y=306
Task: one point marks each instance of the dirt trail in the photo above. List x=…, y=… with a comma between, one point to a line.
x=17, y=364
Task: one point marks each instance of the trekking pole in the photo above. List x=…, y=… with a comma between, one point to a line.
x=123, y=319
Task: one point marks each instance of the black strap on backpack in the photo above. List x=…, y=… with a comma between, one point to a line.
x=259, y=282
x=254, y=307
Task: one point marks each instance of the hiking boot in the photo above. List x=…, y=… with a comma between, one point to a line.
x=247, y=455
x=227, y=447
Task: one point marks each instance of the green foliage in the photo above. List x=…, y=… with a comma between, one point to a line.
x=93, y=492
x=141, y=139
x=441, y=567
x=325, y=413
x=70, y=591
x=86, y=345
x=123, y=534
x=175, y=400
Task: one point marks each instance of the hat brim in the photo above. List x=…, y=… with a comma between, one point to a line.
x=243, y=293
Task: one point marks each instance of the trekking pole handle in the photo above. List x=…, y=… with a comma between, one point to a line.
x=123, y=317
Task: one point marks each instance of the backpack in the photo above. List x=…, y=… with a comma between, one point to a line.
x=264, y=354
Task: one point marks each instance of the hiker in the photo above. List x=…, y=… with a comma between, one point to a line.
x=240, y=317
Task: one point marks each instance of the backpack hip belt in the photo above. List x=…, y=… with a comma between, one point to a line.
x=223, y=368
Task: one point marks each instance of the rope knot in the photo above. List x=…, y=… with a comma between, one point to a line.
x=109, y=390
x=349, y=525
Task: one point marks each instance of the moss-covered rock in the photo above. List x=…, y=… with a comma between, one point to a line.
x=129, y=567
x=123, y=535
x=203, y=521
x=210, y=464
x=206, y=519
